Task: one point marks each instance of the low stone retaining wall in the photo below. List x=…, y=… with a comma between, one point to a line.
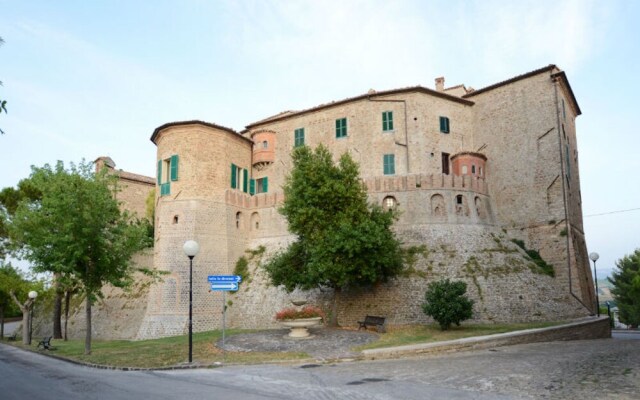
x=588, y=328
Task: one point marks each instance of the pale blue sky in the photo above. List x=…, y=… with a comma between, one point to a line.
x=90, y=78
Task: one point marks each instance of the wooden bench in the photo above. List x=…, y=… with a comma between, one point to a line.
x=45, y=343
x=371, y=320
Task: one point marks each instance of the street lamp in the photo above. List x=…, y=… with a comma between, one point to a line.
x=191, y=248
x=32, y=295
x=594, y=257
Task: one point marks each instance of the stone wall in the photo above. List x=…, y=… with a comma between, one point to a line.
x=117, y=315
x=504, y=283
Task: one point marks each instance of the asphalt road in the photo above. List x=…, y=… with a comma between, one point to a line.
x=603, y=369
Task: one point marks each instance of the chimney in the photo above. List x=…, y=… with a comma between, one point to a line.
x=440, y=84
x=102, y=162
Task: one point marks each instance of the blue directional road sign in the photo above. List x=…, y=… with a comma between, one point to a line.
x=224, y=282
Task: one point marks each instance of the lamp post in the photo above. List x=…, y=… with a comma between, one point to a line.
x=594, y=257
x=191, y=248
x=32, y=295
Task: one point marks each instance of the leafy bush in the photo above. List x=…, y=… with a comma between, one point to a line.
x=242, y=268
x=447, y=304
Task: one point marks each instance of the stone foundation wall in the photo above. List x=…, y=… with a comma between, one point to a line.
x=504, y=283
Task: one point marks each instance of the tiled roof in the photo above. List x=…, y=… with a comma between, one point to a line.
x=135, y=177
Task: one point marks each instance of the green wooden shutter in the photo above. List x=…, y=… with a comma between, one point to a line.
x=252, y=187
x=444, y=124
x=159, y=172
x=233, y=176
x=265, y=184
x=387, y=121
x=245, y=179
x=389, y=164
x=174, y=167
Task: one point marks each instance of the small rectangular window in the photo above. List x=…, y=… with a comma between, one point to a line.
x=564, y=112
x=341, y=128
x=444, y=124
x=389, y=164
x=387, y=121
x=298, y=137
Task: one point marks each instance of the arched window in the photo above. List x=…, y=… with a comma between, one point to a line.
x=238, y=219
x=175, y=219
x=464, y=170
x=437, y=205
x=255, y=221
x=389, y=203
x=265, y=144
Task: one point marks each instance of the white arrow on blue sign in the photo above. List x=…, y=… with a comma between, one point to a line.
x=224, y=286
x=224, y=278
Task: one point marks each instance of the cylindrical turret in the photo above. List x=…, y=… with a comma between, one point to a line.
x=197, y=162
x=469, y=163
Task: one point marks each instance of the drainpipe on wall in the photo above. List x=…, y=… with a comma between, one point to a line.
x=564, y=194
x=406, y=137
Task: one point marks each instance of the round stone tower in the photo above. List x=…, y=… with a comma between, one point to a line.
x=198, y=163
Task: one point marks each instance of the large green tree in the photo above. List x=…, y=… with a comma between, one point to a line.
x=342, y=241
x=626, y=288
x=76, y=229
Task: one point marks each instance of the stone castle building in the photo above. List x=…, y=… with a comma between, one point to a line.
x=472, y=172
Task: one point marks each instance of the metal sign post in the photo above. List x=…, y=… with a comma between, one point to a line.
x=224, y=283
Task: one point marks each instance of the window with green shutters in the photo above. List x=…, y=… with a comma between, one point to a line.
x=387, y=121
x=298, y=137
x=239, y=178
x=341, y=128
x=252, y=187
x=262, y=185
x=444, y=124
x=167, y=173
x=389, y=164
